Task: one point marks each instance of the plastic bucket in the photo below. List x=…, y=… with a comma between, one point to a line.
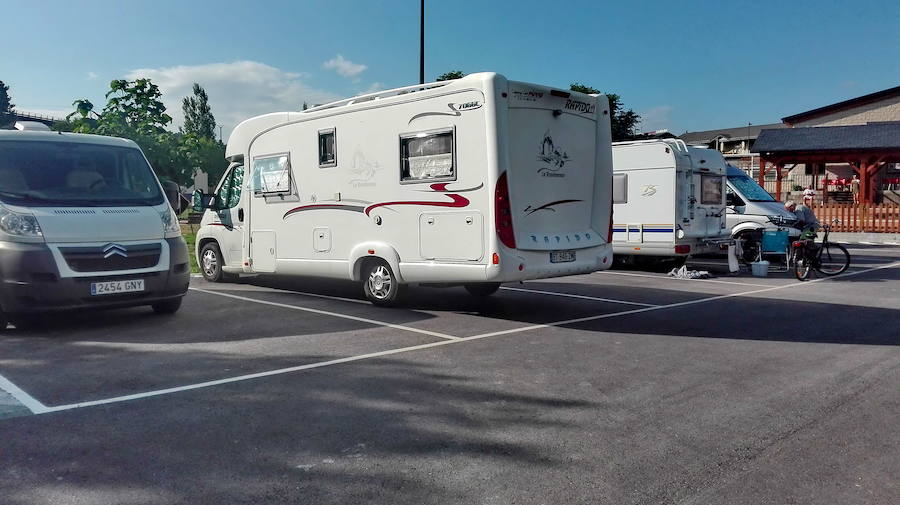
x=760, y=268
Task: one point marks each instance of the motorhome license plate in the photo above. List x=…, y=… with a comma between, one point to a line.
x=116, y=287
x=562, y=256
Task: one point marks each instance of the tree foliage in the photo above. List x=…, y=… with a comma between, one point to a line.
x=6, y=105
x=453, y=74
x=198, y=118
x=623, y=122
x=134, y=111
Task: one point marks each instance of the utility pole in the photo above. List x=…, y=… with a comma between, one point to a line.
x=422, y=43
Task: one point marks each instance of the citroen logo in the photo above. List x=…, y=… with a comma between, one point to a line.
x=112, y=249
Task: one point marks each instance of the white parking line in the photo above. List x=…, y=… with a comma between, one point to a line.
x=607, y=272
x=329, y=313
x=266, y=289
x=22, y=397
x=39, y=408
x=581, y=297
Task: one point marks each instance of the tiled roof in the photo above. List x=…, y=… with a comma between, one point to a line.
x=872, y=136
x=738, y=133
x=846, y=104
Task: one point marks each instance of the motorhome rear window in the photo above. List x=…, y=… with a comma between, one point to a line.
x=272, y=174
x=327, y=154
x=53, y=173
x=427, y=156
x=711, y=190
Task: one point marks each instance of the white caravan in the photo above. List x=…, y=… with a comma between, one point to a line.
x=668, y=199
x=472, y=182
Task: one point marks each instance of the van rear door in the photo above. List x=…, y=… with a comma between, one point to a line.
x=559, y=167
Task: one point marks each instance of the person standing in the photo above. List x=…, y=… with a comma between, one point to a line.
x=809, y=194
x=854, y=188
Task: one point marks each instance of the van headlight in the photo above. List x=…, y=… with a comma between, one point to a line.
x=171, y=228
x=19, y=224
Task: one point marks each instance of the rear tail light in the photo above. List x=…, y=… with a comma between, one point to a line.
x=682, y=249
x=495, y=259
x=798, y=244
x=503, y=213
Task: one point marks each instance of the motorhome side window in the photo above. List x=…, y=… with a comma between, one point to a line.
x=327, y=154
x=272, y=174
x=711, y=190
x=427, y=156
x=229, y=194
x=620, y=188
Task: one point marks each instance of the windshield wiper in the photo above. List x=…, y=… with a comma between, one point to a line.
x=28, y=194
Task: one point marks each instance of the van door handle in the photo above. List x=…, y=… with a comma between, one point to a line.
x=241, y=215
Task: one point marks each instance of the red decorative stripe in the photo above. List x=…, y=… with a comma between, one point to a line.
x=458, y=202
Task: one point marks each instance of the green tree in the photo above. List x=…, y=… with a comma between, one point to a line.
x=6, y=106
x=198, y=118
x=82, y=120
x=133, y=107
x=623, y=122
x=453, y=74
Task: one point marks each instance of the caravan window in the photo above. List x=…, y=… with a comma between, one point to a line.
x=620, y=188
x=427, y=156
x=272, y=174
x=327, y=154
x=710, y=190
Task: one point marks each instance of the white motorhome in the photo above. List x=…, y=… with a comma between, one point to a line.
x=668, y=199
x=84, y=223
x=472, y=182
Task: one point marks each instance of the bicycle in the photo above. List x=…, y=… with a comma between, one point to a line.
x=827, y=258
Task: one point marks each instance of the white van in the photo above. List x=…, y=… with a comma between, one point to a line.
x=668, y=199
x=752, y=209
x=84, y=223
x=472, y=182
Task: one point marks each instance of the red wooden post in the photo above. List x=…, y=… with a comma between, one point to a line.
x=762, y=171
x=778, y=167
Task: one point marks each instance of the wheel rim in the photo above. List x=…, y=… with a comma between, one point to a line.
x=831, y=261
x=802, y=268
x=380, y=282
x=210, y=263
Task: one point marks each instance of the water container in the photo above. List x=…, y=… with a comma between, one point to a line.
x=760, y=268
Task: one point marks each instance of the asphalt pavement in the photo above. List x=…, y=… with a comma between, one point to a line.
x=621, y=387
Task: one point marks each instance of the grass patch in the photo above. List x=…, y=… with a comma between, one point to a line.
x=190, y=236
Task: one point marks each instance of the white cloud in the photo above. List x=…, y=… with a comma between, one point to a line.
x=375, y=86
x=92, y=75
x=237, y=90
x=344, y=67
x=656, y=118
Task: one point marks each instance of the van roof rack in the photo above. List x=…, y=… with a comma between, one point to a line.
x=378, y=95
x=678, y=144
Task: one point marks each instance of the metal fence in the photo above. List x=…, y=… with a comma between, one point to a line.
x=864, y=217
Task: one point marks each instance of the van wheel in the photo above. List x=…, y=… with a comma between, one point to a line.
x=211, y=263
x=380, y=284
x=483, y=288
x=167, y=306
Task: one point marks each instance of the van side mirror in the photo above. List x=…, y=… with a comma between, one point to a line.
x=173, y=194
x=740, y=209
x=202, y=201
x=732, y=200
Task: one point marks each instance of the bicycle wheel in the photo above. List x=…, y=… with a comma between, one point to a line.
x=802, y=268
x=834, y=259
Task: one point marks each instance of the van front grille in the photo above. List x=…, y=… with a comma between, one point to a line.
x=111, y=257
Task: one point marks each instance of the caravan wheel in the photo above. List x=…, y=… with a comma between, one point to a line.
x=380, y=284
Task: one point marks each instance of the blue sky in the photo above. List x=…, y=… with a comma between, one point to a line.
x=683, y=66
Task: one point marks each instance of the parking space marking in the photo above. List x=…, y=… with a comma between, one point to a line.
x=28, y=401
x=580, y=297
x=677, y=304
x=39, y=408
x=607, y=272
x=266, y=289
x=329, y=313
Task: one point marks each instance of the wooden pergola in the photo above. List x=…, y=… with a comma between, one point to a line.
x=866, y=148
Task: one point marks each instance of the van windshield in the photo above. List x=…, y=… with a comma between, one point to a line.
x=749, y=189
x=39, y=173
